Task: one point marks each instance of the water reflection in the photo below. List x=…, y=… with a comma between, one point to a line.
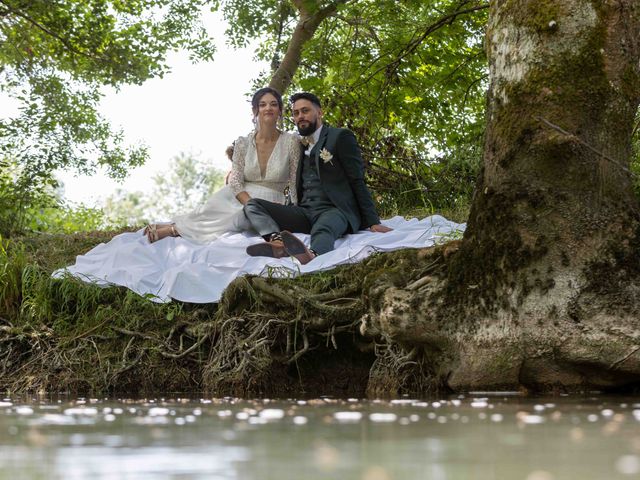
x=478, y=436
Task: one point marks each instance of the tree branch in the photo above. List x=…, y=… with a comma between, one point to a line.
x=615, y=364
x=585, y=144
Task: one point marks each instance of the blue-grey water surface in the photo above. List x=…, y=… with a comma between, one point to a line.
x=475, y=436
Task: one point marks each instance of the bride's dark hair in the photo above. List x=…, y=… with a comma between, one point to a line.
x=261, y=93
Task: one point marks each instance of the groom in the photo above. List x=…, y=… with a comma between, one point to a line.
x=332, y=196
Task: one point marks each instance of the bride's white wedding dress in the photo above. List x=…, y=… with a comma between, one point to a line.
x=223, y=212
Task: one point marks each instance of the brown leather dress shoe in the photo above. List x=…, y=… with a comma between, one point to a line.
x=274, y=249
x=296, y=248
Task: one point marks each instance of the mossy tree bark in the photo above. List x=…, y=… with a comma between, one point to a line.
x=544, y=290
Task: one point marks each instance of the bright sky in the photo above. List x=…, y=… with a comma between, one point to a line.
x=197, y=108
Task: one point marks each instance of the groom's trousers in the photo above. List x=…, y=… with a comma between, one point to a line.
x=324, y=224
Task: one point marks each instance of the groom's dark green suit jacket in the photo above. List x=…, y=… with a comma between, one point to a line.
x=341, y=174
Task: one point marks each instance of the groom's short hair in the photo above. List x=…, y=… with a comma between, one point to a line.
x=304, y=96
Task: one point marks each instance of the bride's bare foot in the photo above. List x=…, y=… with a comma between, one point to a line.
x=155, y=232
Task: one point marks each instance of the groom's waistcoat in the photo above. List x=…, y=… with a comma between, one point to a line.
x=314, y=197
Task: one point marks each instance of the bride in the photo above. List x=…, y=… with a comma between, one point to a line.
x=264, y=164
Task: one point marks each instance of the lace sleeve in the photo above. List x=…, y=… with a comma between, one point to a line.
x=236, y=177
x=294, y=152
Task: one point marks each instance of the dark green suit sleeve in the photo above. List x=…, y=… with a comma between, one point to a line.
x=351, y=159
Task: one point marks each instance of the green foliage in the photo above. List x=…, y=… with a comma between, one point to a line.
x=108, y=41
x=55, y=55
x=186, y=185
x=126, y=208
x=19, y=199
x=31, y=201
x=408, y=77
x=425, y=187
x=66, y=218
x=12, y=263
x=30, y=295
x=411, y=72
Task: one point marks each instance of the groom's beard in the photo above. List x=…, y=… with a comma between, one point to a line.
x=309, y=129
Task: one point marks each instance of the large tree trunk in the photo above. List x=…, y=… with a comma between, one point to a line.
x=544, y=290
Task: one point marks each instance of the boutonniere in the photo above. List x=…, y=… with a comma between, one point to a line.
x=326, y=156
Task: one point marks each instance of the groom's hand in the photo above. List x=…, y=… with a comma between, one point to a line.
x=379, y=228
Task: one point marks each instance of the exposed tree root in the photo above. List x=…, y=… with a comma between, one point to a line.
x=398, y=370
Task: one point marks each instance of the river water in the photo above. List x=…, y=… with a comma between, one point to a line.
x=476, y=436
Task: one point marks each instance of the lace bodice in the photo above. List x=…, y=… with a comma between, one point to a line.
x=281, y=167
